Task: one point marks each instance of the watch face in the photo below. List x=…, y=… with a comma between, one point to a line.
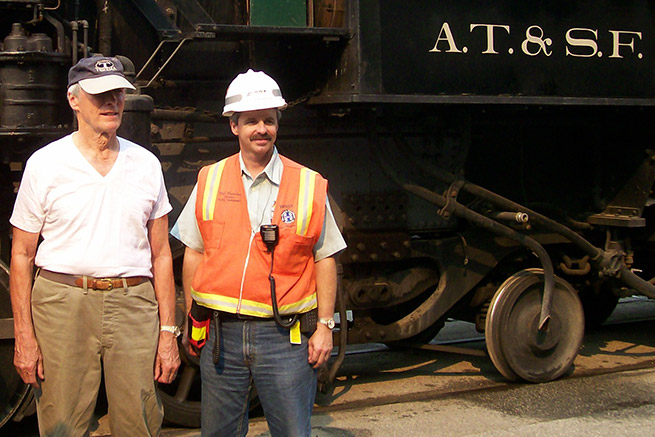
x=328, y=322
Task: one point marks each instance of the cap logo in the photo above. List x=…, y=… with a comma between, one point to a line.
x=105, y=65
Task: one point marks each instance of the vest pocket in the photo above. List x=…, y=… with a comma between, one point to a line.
x=214, y=234
x=293, y=252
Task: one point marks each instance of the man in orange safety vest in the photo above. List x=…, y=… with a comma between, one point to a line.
x=259, y=272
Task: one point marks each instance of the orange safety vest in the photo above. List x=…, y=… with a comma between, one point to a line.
x=233, y=274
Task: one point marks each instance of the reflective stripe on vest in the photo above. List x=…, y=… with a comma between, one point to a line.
x=305, y=197
x=211, y=189
x=249, y=307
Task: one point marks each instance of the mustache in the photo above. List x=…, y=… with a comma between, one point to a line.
x=261, y=137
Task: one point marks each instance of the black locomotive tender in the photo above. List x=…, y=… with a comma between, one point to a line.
x=488, y=161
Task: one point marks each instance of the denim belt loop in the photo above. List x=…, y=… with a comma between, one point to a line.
x=124, y=286
x=84, y=284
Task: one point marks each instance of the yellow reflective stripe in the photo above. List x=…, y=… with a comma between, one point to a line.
x=215, y=301
x=305, y=200
x=306, y=304
x=258, y=309
x=252, y=308
x=211, y=189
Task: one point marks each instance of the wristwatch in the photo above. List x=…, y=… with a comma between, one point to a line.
x=171, y=328
x=327, y=322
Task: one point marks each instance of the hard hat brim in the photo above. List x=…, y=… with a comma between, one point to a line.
x=277, y=103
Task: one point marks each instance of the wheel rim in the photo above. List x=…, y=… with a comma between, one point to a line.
x=492, y=335
x=516, y=346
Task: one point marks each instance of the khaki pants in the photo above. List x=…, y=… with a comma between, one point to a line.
x=77, y=329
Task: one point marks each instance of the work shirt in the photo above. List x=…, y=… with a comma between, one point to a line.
x=261, y=194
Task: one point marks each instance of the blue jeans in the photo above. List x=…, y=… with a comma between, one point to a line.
x=256, y=352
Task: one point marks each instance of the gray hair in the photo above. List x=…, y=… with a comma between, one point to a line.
x=74, y=89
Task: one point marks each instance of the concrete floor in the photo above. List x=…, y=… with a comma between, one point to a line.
x=424, y=393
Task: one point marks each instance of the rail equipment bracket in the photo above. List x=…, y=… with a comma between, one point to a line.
x=451, y=198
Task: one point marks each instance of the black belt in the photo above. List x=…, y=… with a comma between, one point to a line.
x=307, y=320
x=104, y=284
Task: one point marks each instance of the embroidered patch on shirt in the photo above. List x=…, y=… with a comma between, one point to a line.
x=288, y=216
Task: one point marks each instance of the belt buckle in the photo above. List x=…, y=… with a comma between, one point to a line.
x=108, y=281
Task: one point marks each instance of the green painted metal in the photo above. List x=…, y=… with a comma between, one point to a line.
x=289, y=13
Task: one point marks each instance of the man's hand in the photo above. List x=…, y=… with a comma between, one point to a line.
x=320, y=346
x=168, y=358
x=186, y=344
x=320, y=343
x=28, y=361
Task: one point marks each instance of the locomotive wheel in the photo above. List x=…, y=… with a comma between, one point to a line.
x=13, y=391
x=516, y=346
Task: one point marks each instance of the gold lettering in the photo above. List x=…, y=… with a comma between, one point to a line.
x=445, y=34
x=490, y=36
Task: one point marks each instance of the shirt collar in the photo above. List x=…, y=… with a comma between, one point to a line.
x=273, y=170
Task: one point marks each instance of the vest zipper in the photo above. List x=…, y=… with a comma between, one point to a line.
x=245, y=267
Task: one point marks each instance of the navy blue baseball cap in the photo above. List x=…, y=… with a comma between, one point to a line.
x=98, y=74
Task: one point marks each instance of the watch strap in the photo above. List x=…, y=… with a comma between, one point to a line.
x=171, y=328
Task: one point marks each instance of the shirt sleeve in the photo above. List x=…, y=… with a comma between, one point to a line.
x=331, y=241
x=163, y=205
x=186, y=227
x=28, y=214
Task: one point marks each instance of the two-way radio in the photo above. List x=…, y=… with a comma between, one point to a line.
x=270, y=236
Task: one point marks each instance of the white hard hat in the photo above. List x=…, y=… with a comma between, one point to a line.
x=252, y=91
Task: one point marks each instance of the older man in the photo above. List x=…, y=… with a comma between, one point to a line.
x=103, y=298
x=261, y=247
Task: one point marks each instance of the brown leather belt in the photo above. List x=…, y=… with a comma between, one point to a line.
x=104, y=284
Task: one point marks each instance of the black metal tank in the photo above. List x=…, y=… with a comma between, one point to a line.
x=32, y=81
